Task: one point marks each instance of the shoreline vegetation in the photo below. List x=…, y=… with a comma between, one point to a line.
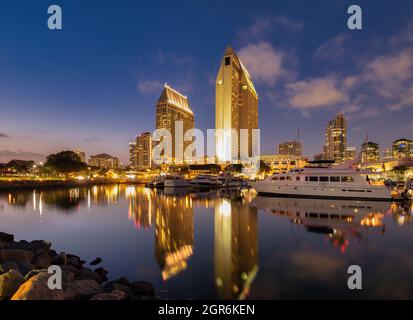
x=14, y=184
x=24, y=275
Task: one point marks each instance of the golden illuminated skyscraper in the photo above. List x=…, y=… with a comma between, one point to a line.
x=236, y=107
x=171, y=108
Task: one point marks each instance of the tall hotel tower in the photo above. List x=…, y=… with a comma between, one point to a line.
x=336, y=139
x=171, y=107
x=236, y=107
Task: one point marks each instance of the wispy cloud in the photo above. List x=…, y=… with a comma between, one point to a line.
x=149, y=86
x=264, y=62
x=315, y=93
x=3, y=135
x=7, y=155
x=332, y=49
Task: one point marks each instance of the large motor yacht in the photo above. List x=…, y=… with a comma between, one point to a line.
x=322, y=183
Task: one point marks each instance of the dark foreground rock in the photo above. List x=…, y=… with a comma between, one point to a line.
x=24, y=275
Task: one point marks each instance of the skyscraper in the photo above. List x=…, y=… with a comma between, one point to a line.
x=173, y=107
x=336, y=139
x=236, y=107
x=132, y=154
x=144, y=150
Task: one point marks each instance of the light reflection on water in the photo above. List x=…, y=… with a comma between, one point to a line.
x=224, y=244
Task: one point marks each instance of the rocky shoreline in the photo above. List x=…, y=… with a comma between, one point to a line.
x=24, y=275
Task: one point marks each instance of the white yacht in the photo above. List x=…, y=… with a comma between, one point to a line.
x=176, y=182
x=322, y=183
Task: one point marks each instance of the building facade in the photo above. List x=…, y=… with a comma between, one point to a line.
x=236, y=107
x=81, y=155
x=294, y=148
x=336, y=139
x=173, y=110
x=370, y=152
x=104, y=161
x=132, y=154
x=351, y=153
x=280, y=163
x=144, y=151
x=403, y=149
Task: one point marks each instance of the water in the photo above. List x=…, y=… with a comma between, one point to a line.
x=224, y=244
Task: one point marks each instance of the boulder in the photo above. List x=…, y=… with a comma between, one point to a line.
x=73, y=260
x=60, y=259
x=7, y=266
x=82, y=289
x=24, y=267
x=102, y=273
x=34, y=272
x=114, y=295
x=9, y=283
x=96, y=261
x=121, y=284
x=143, y=288
x=86, y=273
x=42, y=260
x=15, y=255
x=36, y=288
x=5, y=237
x=70, y=269
x=35, y=247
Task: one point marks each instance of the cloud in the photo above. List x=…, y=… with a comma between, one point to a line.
x=264, y=26
x=3, y=135
x=7, y=155
x=332, y=49
x=264, y=62
x=149, y=86
x=93, y=140
x=315, y=93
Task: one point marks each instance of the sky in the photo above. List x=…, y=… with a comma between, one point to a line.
x=94, y=84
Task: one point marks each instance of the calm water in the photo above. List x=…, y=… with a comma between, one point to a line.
x=226, y=245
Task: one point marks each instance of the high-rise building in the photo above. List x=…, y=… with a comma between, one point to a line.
x=171, y=109
x=403, y=149
x=370, y=152
x=236, y=107
x=104, y=161
x=81, y=155
x=293, y=148
x=336, y=139
x=132, y=154
x=144, y=150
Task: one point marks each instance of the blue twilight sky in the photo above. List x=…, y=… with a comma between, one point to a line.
x=94, y=84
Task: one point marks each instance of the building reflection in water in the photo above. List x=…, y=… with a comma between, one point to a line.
x=141, y=206
x=174, y=233
x=338, y=219
x=236, y=244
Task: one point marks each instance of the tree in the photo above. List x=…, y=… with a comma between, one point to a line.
x=64, y=162
x=264, y=168
x=400, y=171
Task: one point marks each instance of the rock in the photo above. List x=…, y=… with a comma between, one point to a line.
x=96, y=261
x=7, y=266
x=86, y=273
x=82, y=289
x=9, y=283
x=60, y=259
x=35, y=247
x=33, y=272
x=36, y=289
x=5, y=237
x=102, y=273
x=24, y=267
x=15, y=255
x=121, y=284
x=2, y=244
x=114, y=295
x=42, y=261
x=143, y=288
x=73, y=260
x=70, y=269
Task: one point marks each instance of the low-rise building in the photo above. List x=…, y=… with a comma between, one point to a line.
x=283, y=163
x=104, y=161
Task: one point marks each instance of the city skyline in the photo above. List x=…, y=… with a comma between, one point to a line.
x=95, y=92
